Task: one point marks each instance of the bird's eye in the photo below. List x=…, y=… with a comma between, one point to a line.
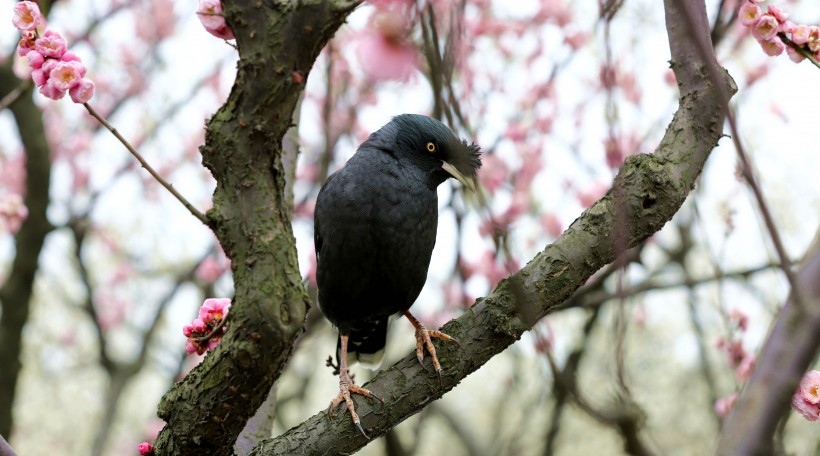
x=431, y=147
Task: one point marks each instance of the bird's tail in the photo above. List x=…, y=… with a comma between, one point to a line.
x=366, y=345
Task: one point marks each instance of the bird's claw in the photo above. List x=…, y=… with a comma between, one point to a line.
x=346, y=388
x=424, y=339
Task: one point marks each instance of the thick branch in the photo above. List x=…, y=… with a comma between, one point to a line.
x=15, y=294
x=278, y=42
x=788, y=352
x=651, y=188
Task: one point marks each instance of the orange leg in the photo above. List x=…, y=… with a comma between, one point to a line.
x=424, y=338
x=346, y=388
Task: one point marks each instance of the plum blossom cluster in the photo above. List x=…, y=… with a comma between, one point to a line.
x=210, y=15
x=806, y=400
x=54, y=69
x=205, y=332
x=772, y=27
x=741, y=361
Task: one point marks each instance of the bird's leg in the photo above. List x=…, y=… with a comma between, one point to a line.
x=424, y=338
x=346, y=388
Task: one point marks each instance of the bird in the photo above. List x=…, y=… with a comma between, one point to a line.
x=375, y=224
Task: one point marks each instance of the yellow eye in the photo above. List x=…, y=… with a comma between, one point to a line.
x=431, y=147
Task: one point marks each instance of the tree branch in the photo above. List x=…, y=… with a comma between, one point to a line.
x=650, y=188
x=278, y=42
x=787, y=353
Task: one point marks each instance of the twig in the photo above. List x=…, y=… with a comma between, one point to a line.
x=148, y=167
x=12, y=96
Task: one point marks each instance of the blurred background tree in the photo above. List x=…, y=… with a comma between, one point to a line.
x=100, y=268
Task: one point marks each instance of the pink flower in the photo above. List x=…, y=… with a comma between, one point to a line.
x=814, y=38
x=41, y=75
x=749, y=14
x=786, y=27
x=35, y=60
x=806, y=400
x=744, y=370
x=203, y=333
x=66, y=75
x=145, y=449
x=49, y=90
x=778, y=13
x=724, y=405
x=794, y=55
x=384, y=50
x=800, y=34
x=26, y=16
x=810, y=387
x=773, y=47
x=51, y=44
x=209, y=270
x=70, y=57
x=765, y=28
x=26, y=43
x=82, y=91
x=210, y=15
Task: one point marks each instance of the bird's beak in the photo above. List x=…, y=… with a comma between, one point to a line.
x=457, y=174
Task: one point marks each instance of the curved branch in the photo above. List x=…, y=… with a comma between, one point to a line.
x=649, y=188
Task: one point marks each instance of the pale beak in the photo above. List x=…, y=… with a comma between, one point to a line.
x=457, y=174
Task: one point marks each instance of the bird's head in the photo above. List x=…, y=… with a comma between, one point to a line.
x=435, y=149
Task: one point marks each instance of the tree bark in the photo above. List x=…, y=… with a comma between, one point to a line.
x=278, y=42
x=16, y=292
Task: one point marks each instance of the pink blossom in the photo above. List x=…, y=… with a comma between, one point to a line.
x=209, y=270
x=778, y=13
x=724, y=405
x=773, y=47
x=383, y=58
x=210, y=15
x=145, y=449
x=41, y=75
x=786, y=27
x=203, y=333
x=35, y=59
x=26, y=16
x=13, y=212
x=66, y=75
x=749, y=14
x=800, y=34
x=765, y=28
x=26, y=43
x=82, y=91
x=794, y=55
x=70, y=57
x=51, y=44
x=745, y=368
x=592, y=194
x=810, y=387
x=49, y=90
x=814, y=38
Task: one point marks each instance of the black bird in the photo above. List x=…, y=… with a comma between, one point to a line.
x=375, y=228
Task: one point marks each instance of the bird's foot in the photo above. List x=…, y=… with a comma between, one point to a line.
x=424, y=339
x=346, y=388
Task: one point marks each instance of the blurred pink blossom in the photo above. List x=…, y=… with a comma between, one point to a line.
x=800, y=34
x=590, y=195
x=724, y=405
x=384, y=50
x=26, y=16
x=745, y=368
x=13, y=212
x=209, y=270
x=777, y=13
